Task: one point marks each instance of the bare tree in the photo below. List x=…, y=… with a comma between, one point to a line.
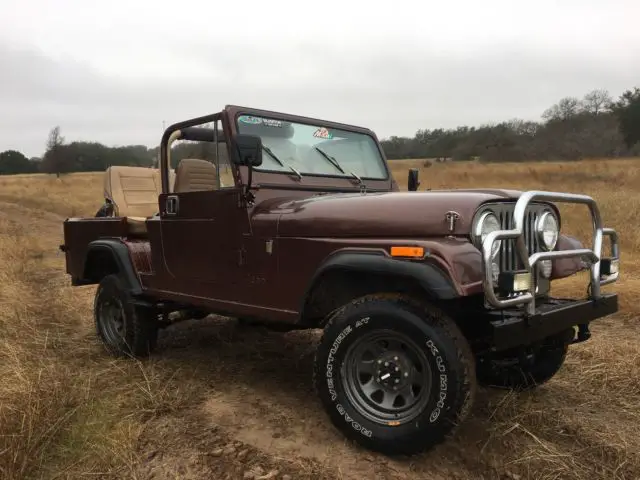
x=566, y=108
x=596, y=101
x=53, y=160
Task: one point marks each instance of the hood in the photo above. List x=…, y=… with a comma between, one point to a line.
x=387, y=214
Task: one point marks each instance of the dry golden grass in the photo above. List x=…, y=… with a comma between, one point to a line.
x=69, y=410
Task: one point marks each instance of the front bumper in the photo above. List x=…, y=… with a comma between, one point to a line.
x=591, y=256
x=512, y=329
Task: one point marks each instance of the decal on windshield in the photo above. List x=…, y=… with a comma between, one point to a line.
x=267, y=122
x=250, y=120
x=272, y=123
x=322, y=133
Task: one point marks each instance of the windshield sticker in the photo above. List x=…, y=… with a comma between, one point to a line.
x=272, y=123
x=322, y=133
x=251, y=120
x=267, y=122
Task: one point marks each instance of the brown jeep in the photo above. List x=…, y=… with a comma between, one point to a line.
x=421, y=295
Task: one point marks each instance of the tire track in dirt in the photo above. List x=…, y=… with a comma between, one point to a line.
x=257, y=386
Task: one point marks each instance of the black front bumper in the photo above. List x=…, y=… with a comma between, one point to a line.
x=514, y=328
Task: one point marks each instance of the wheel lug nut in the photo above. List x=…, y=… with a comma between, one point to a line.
x=397, y=381
x=406, y=374
x=386, y=364
x=397, y=369
x=395, y=358
x=379, y=362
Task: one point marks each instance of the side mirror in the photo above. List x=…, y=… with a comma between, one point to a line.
x=249, y=150
x=413, y=183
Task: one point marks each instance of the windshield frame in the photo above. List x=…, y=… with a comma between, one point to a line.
x=282, y=173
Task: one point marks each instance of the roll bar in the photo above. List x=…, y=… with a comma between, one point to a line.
x=184, y=131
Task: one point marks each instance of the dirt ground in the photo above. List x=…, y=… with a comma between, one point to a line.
x=223, y=401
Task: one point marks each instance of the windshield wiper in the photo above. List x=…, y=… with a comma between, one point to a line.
x=283, y=164
x=331, y=160
x=335, y=163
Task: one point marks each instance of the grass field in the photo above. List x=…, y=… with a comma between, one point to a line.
x=222, y=401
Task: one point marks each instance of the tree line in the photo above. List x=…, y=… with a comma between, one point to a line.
x=574, y=128
x=593, y=126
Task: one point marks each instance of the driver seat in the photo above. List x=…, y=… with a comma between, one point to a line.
x=194, y=175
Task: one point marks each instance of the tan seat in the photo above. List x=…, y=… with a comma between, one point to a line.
x=134, y=193
x=194, y=174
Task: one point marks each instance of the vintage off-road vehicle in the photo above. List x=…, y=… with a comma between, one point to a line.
x=421, y=295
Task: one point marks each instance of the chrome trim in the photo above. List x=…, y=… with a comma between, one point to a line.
x=507, y=258
x=615, y=253
x=593, y=255
x=540, y=231
x=478, y=228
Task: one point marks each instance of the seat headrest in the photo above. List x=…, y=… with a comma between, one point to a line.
x=194, y=174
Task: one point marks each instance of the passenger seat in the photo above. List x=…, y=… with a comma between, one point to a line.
x=134, y=192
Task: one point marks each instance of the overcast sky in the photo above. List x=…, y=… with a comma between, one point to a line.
x=112, y=71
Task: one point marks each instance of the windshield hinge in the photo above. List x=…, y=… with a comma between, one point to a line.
x=363, y=188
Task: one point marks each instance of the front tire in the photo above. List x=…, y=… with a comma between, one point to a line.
x=123, y=327
x=393, y=374
x=527, y=369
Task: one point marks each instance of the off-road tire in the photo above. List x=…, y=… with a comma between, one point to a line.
x=508, y=372
x=444, y=350
x=138, y=333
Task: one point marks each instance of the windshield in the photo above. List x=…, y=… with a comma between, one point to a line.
x=308, y=149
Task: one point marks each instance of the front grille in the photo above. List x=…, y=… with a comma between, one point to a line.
x=508, y=257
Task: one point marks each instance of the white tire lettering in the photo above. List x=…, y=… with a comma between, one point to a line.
x=355, y=425
x=362, y=321
x=330, y=377
x=442, y=394
x=331, y=358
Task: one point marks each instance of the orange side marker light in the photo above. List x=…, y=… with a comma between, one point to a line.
x=413, y=252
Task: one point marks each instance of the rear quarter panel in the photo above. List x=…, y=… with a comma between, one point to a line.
x=79, y=232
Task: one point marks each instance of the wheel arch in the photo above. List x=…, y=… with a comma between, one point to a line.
x=346, y=275
x=109, y=256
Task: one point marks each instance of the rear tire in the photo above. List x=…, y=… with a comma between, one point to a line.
x=124, y=328
x=416, y=384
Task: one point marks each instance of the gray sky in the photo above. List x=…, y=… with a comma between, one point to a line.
x=113, y=71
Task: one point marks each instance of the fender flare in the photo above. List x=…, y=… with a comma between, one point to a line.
x=120, y=255
x=430, y=277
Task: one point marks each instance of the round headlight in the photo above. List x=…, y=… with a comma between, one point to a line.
x=547, y=228
x=488, y=223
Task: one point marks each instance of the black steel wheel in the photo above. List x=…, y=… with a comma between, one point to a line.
x=387, y=377
x=394, y=374
x=111, y=314
x=123, y=327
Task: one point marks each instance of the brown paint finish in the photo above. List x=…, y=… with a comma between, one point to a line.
x=79, y=232
x=140, y=252
x=240, y=258
x=391, y=214
x=300, y=258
